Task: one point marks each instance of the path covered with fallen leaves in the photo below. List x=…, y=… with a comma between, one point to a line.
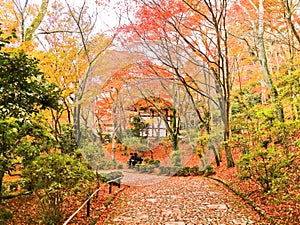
x=180, y=201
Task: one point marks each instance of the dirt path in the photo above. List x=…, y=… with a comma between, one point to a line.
x=180, y=201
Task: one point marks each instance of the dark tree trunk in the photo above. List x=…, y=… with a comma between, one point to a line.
x=216, y=155
x=1, y=184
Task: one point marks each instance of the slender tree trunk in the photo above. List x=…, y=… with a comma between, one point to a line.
x=28, y=34
x=229, y=157
x=175, y=131
x=113, y=148
x=77, y=129
x=1, y=184
x=226, y=86
x=261, y=44
x=264, y=63
x=216, y=155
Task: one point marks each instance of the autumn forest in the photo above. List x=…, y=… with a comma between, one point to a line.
x=198, y=88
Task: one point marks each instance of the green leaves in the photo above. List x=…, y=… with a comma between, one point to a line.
x=6, y=40
x=23, y=88
x=266, y=166
x=57, y=171
x=24, y=93
x=55, y=176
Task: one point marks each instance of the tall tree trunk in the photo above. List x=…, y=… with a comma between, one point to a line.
x=28, y=33
x=264, y=63
x=224, y=62
x=1, y=184
x=216, y=155
x=175, y=131
x=228, y=152
x=77, y=130
x=113, y=147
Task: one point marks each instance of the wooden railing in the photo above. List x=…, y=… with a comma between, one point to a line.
x=116, y=182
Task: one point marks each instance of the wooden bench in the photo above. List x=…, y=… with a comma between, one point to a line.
x=114, y=182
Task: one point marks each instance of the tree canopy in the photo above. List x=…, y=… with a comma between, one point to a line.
x=230, y=70
x=25, y=93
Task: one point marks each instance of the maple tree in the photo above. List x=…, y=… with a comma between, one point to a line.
x=103, y=96
x=26, y=18
x=274, y=138
x=64, y=37
x=172, y=38
x=258, y=23
x=218, y=63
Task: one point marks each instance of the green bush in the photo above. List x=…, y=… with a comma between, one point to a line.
x=150, y=168
x=5, y=215
x=207, y=170
x=162, y=170
x=143, y=168
x=138, y=167
x=54, y=177
x=267, y=167
x=195, y=171
x=153, y=162
x=169, y=170
x=105, y=164
x=165, y=170
x=156, y=163
x=185, y=171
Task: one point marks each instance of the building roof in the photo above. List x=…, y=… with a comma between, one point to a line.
x=151, y=103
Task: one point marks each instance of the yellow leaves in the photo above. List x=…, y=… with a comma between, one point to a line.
x=14, y=130
x=148, y=121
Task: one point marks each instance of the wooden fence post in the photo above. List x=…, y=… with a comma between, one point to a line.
x=110, y=188
x=88, y=201
x=88, y=207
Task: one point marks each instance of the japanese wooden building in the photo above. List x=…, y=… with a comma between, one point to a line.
x=154, y=111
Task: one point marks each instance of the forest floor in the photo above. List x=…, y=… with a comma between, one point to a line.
x=180, y=200
x=157, y=199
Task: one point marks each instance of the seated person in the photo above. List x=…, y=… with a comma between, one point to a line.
x=134, y=159
x=131, y=160
x=138, y=159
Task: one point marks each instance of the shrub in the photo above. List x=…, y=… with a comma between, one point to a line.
x=54, y=177
x=266, y=166
x=105, y=164
x=162, y=170
x=5, y=215
x=207, y=170
x=172, y=170
x=156, y=163
x=195, y=171
x=185, y=171
x=143, y=168
x=165, y=170
x=153, y=162
x=138, y=167
x=147, y=160
x=151, y=169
